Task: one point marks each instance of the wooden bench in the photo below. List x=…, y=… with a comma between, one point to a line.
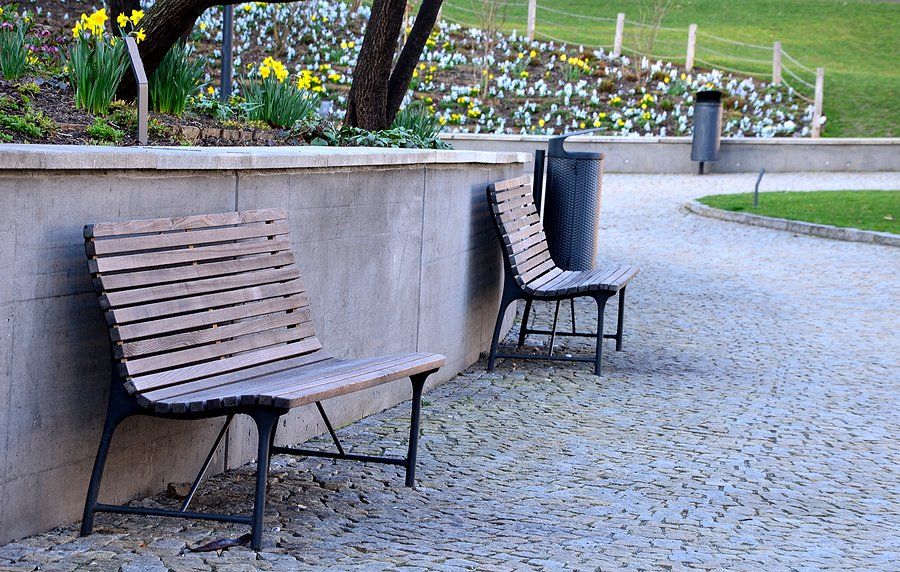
x=208, y=317
x=531, y=274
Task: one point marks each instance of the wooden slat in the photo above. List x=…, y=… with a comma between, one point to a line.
x=122, y=298
x=512, y=183
x=287, y=381
x=249, y=375
x=530, y=252
x=509, y=194
x=523, y=233
x=209, y=334
x=513, y=204
x=184, y=238
x=322, y=391
x=525, y=266
x=538, y=270
x=192, y=271
x=182, y=223
x=523, y=245
x=186, y=255
x=241, y=361
x=297, y=302
x=197, y=354
x=211, y=393
x=512, y=220
x=554, y=274
x=203, y=302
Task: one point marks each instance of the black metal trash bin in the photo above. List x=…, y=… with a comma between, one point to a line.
x=571, y=204
x=707, y=127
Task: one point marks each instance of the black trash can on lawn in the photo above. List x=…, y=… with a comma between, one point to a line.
x=572, y=205
x=707, y=127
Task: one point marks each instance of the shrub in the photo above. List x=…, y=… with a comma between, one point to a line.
x=417, y=119
x=394, y=137
x=13, y=47
x=33, y=123
x=175, y=80
x=272, y=99
x=96, y=63
x=100, y=130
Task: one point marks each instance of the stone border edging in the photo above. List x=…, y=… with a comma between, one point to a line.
x=89, y=157
x=799, y=227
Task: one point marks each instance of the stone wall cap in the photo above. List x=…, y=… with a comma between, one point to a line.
x=775, y=141
x=85, y=157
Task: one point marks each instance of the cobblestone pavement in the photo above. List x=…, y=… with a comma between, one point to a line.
x=751, y=424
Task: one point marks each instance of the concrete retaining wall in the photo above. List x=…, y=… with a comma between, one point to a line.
x=673, y=154
x=395, y=247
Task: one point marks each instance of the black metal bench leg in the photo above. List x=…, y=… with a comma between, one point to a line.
x=620, y=322
x=266, y=422
x=601, y=306
x=418, y=383
x=523, y=330
x=504, y=304
x=90, y=503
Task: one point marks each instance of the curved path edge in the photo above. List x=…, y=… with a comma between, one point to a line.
x=796, y=226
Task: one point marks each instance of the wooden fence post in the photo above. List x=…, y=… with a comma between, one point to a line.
x=776, y=63
x=817, y=106
x=620, y=33
x=691, y=47
x=532, y=19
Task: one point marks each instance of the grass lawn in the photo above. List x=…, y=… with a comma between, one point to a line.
x=869, y=210
x=856, y=41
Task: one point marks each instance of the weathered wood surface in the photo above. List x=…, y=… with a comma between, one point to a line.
x=525, y=247
x=209, y=311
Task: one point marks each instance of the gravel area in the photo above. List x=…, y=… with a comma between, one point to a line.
x=750, y=424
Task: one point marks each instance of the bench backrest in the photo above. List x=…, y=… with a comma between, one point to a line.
x=200, y=300
x=520, y=229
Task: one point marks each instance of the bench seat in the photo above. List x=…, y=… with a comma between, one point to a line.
x=606, y=279
x=292, y=387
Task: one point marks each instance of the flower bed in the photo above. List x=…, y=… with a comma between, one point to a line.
x=303, y=53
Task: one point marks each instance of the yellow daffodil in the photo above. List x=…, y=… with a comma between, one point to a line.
x=122, y=20
x=265, y=71
x=442, y=120
x=211, y=90
x=563, y=57
x=141, y=36
x=136, y=16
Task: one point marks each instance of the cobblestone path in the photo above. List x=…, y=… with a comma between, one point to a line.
x=751, y=424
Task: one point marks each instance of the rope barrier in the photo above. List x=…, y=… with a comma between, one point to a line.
x=798, y=78
x=798, y=64
x=797, y=92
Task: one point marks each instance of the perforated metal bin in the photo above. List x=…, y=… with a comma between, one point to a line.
x=707, y=127
x=572, y=204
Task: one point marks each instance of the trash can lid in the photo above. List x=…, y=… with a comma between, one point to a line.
x=555, y=147
x=709, y=95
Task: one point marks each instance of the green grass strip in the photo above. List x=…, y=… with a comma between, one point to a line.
x=867, y=210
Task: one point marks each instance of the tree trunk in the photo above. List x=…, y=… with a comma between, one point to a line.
x=117, y=7
x=367, y=102
x=409, y=56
